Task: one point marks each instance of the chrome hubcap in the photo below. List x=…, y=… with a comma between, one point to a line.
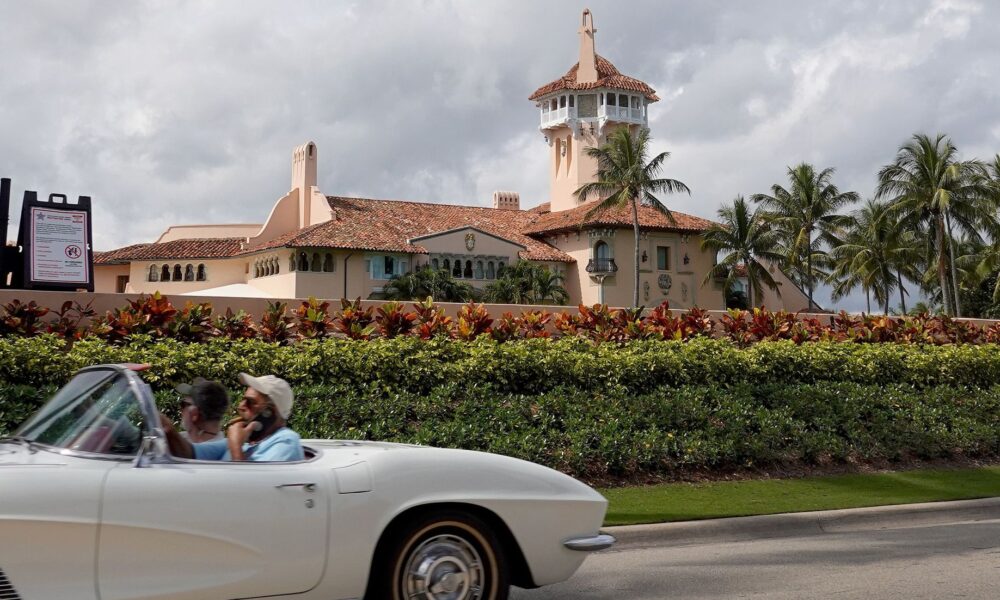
x=444, y=567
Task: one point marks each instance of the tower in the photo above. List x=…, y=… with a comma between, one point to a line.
x=579, y=109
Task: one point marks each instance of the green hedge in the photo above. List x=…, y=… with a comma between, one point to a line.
x=595, y=411
x=528, y=366
x=601, y=436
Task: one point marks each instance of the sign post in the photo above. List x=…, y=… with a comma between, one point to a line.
x=55, y=237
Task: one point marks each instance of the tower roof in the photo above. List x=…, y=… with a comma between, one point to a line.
x=607, y=77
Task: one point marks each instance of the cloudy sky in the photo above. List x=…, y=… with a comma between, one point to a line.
x=173, y=112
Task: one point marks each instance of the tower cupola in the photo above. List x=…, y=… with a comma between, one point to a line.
x=577, y=110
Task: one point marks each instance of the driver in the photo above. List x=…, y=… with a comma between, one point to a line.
x=261, y=433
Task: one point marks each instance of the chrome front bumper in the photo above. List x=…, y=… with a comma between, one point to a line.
x=590, y=543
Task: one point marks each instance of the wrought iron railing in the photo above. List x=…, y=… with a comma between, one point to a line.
x=602, y=265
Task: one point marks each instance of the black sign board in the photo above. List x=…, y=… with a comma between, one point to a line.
x=55, y=242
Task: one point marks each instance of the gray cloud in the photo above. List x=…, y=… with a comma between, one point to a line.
x=187, y=111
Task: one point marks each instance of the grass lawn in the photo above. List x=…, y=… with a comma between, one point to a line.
x=688, y=501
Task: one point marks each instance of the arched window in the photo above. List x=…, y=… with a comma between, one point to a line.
x=490, y=270
x=275, y=266
x=202, y=276
x=154, y=273
x=468, y=269
x=165, y=273
x=457, y=271
x=189, y=273
x=602, y=251
x=315, y=265
x=446, y=265
x=291, y=263
x=178, y=274
x=500, y=268
x=562, y=101
x=303, y=262
x=479, y=269
x=328, y=263
x=434, y=264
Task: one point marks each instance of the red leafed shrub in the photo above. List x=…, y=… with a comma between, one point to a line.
x=69, y=319
x=431, y=320
x=393, y=320
x=473, y=321
x=22, y=319
x=236, y=326
x=354, y=320
x=193, y=323
x=533, y=324
x=275, y=324
x=156, y=317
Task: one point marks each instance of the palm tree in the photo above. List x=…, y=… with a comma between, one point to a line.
x=875, y=254
x=624, y=178
x=436, y=283
x=748, y=240
x=525, y=282
x=806, y=217
x=927, y=185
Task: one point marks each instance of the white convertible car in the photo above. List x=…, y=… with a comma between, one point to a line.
x=92, y=506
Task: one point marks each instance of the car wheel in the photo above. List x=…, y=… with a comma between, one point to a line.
x=444, y=556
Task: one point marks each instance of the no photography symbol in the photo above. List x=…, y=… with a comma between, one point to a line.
x=73, y=251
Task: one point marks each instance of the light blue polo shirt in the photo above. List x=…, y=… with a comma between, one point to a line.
x=282, y=445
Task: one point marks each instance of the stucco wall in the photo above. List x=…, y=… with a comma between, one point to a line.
x=106, y=277
x=686, y=289
x=218, y=273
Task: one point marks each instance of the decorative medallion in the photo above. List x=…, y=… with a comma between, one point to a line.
x=664, y=281
x=470, y=241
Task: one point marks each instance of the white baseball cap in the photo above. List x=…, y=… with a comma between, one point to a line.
x=276, y=389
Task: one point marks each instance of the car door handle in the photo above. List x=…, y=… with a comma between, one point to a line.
x=309, y=487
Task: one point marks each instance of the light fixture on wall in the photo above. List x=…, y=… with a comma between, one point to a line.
x=687, y=258
x=644, y=257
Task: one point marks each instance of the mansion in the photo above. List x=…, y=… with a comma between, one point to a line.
x=328, y=246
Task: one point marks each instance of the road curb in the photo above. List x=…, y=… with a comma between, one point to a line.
x=802, y=524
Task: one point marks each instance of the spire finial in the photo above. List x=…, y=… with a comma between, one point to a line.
x=587, y=71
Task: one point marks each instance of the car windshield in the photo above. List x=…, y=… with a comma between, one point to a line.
x=96, y=411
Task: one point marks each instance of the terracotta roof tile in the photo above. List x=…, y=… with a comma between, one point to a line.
x=386, y=225
x=649, y=218
x=607, y=77
x=175, y=249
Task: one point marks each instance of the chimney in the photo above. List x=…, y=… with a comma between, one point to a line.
x=507, y=200
x=587, y=71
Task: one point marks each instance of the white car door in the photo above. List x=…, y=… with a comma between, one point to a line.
x=203, y=530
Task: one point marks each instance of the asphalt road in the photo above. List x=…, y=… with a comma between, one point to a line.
x=958, y=559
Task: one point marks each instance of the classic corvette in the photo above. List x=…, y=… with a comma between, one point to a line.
x=92, y=505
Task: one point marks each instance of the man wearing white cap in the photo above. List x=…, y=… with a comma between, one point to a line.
x=260, y=435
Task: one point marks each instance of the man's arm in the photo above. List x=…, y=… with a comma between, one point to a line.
x=179, y=447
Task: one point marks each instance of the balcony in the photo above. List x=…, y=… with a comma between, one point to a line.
x=602, y=266
x=556, y=117
x=622, y=114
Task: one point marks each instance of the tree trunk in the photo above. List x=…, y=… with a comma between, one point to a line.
x=942, y=279
x=902, y=296
x=635, y=230
x=868, y=301
x=954, y=277
x=809, y=267
x=750, y=299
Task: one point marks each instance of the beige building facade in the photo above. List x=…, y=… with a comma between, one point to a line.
x=314, y=244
